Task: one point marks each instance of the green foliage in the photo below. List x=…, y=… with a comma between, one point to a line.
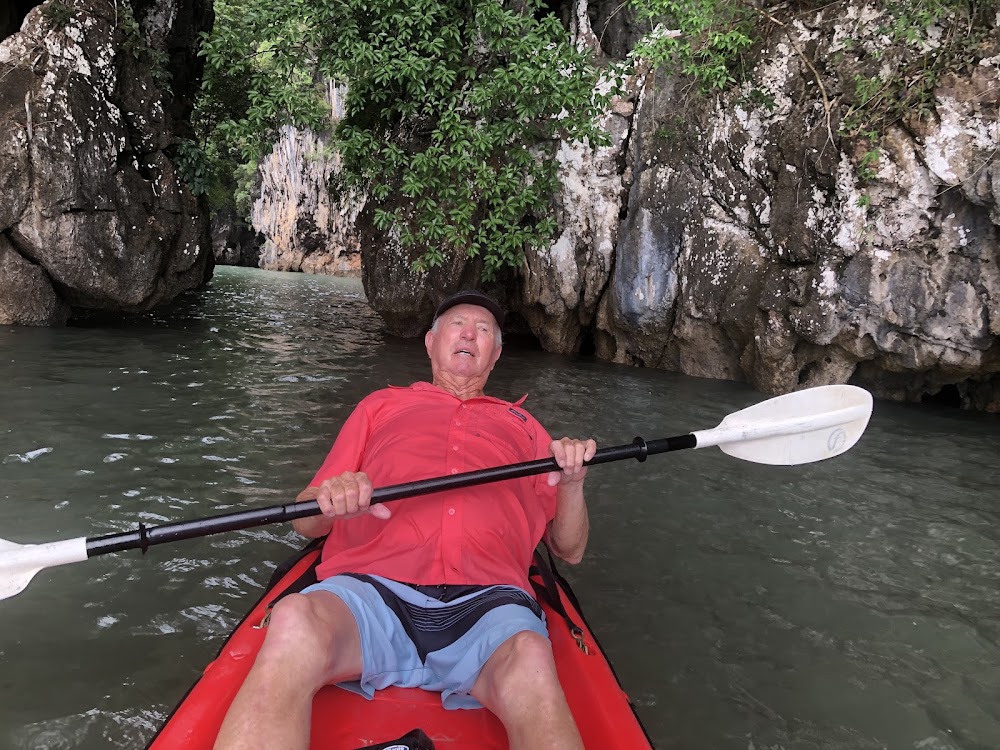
x=194, y=166
x=919, y=40
x=452, y=110
x=244, y=177
x=135, y=44
x=159, y=68
x=904, y=54
x=672, y=127
x=927, y=38
x=758, y=97
x=705, y=40
x=132, y=41
x=868, y=164
x=58, y=12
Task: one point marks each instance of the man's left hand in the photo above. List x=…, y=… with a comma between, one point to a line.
x=570, y=455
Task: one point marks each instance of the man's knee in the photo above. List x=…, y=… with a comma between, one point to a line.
x=310, y=635
x=291, y=629
x=524, y=663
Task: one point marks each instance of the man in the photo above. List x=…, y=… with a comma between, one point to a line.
x=389, y=573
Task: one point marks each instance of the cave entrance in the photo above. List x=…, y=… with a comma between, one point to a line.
x=12, y=13
x=948, y=396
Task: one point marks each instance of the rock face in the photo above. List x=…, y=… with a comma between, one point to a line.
x=562, y=286
x=90, y=202
x=26, y=294
x=406, y=299
x=234, y=243
x=305, y=226
x=755, y=247
x=743, y=237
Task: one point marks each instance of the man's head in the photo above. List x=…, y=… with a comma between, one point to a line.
x=464, y=341
x=471, y=297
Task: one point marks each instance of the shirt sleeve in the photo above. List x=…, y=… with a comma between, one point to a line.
x=348, y=449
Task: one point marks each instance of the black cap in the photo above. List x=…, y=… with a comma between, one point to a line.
x=471, y=297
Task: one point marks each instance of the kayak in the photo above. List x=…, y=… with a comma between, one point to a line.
x=410, y=717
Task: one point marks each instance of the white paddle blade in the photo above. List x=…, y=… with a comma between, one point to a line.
x=797, y=428
x=20, y=562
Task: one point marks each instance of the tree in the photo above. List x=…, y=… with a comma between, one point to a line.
x=451, y=118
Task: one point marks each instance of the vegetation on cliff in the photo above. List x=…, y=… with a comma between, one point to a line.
x=902, y=49
x=453, y=106
x=450, y=121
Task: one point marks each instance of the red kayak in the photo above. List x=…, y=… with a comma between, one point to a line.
x=345, y=721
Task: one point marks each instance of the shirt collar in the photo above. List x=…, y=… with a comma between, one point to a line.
x=424, y=386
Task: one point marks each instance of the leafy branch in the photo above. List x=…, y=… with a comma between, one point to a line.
x=451, y=116
x=923, y=38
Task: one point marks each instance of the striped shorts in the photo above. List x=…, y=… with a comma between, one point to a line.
x=433, y=637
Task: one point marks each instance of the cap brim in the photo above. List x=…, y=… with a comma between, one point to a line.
x=472, y=298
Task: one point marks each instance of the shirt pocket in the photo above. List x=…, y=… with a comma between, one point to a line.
x=505, y=434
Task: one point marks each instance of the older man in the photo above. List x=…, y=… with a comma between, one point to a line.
x=390, y=576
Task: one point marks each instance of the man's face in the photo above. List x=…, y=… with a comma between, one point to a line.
x=464, y=343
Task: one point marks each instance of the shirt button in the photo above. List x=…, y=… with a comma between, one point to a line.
x=454, y=471
x=454, y=447
x=457, y=423
x=451, y=511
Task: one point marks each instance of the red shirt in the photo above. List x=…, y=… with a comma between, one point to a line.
x=477, y=535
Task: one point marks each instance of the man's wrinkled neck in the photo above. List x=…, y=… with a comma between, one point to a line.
x=461, y=388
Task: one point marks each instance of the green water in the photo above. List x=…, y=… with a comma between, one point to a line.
x=846, y=604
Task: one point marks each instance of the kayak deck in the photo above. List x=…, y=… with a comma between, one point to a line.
x=342, y=720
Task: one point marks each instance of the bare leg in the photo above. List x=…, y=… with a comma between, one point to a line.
x=520, y=685
x=312, y=640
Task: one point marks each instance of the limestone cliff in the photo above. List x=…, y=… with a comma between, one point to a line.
x=743, y=236
x=305, y=227
x=297, y=223
x=756, y=247
x=92, y=213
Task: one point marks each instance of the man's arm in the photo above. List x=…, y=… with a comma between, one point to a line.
x=569, y=529
x=311, y=526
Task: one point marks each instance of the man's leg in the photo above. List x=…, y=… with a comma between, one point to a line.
x=520, y=685
x=312, y=640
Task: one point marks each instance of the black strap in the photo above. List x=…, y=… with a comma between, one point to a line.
x=412, y=740
x=548, y=592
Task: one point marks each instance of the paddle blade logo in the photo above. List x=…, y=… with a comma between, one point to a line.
x=836, y=441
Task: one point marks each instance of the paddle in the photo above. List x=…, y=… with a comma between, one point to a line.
x=796, y=428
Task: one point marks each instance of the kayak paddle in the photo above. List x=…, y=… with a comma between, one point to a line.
x=797, y=428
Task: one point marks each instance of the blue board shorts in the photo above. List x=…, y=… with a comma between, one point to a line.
x=433, y=637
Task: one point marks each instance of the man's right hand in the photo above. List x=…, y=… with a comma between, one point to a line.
x=348, y=496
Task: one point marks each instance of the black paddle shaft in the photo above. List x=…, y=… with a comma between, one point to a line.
x=146, y=536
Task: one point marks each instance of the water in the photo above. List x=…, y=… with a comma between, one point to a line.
x=846, y=604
